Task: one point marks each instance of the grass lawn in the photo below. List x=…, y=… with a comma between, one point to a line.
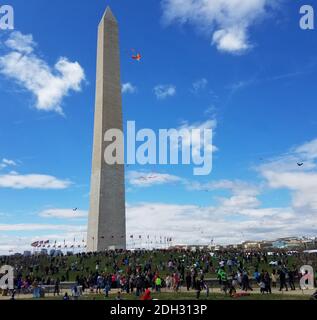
x=106, y=264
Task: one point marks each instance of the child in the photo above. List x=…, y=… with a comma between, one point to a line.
x=262, y=287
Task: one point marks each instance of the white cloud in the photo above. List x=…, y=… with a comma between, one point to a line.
x=190, y=224
x=229, y=21
x=230, y=40
x=142, y=179
x=291, y=180
x=32, y=181
x=303, y=186
x=39, y=227
x=308, y=150
x=283, y=173
x=48, y=85
x=236, y=187
x=243, y=195
x=63, y=213
x=128, y=88
x=208, y=124
x=6, y=163
x=58, y=233
x=236, y=217
x=196, y=142
x=211, y=110
x=164, y=91
x=20, y=42
x=199, y=85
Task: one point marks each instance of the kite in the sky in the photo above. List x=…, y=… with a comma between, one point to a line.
x=300, y=164
x=147, y=178
x=137, y=57
x=75, y=209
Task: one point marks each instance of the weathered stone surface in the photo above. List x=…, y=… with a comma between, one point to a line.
x=107, y=223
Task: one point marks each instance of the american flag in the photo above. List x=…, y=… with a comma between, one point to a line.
x=35, y=244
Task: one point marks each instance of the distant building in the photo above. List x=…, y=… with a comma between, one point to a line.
x=292, y=242
x=266, y=244
x=279, y=244
x=234, y=246
x=252, y=244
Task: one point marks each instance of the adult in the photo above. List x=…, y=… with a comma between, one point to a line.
x=282, y=275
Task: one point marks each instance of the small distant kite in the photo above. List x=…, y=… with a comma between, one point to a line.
x=75, y=209
x=137, y=57
x=300, y=164
x=134, y=54
x=147, y=177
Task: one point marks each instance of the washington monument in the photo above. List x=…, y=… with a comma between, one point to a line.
x=106, y=225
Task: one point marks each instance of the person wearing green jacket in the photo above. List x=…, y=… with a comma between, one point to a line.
x=223, y=279
x=158, y=284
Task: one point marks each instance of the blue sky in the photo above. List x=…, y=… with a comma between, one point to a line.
x=248, y=68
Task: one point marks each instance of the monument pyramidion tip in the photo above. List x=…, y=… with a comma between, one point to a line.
x=109, y=16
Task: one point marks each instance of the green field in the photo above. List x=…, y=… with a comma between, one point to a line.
x=73, y=265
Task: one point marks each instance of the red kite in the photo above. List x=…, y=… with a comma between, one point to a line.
x=137, y=57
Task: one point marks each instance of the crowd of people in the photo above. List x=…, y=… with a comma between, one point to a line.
x=138, y=272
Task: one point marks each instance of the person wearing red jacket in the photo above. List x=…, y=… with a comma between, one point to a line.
x=146, y=295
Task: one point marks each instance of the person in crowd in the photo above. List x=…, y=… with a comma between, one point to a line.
x=198, y=289
x=119, y=296
x=282, y=276
x=274, y=278
x=246, y=282
x=257, y=276
x=75, y=293
x=146, y=295
x=66, y=297
x=36, y=290
x=314, y=296
x=267, y=281
x=13, y=295
x=56, y=287
x=176, y=281
x=174, y=269
x=107, y=287
x=158, y=284
x=223, y=279
x=188, y=281
x=291, y=279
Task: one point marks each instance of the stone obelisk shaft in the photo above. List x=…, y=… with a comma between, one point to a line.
x=107, y=223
